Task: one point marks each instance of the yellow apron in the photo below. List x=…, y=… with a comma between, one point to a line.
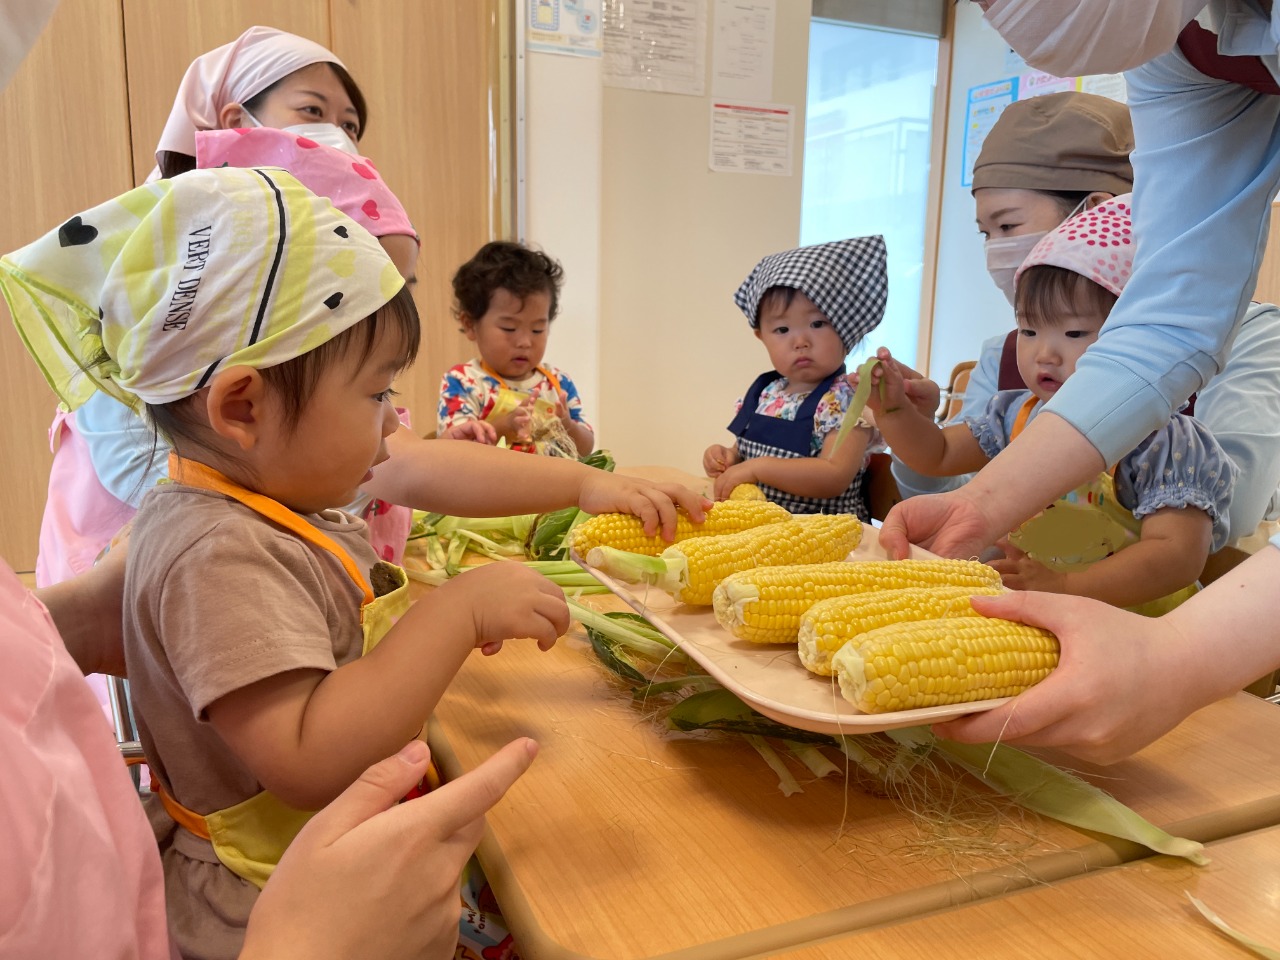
x=1083, y=527
x=250, y=837
x=508, y=399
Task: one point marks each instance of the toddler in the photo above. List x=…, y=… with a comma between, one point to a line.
x=261, y=329
x=507, y=295
x=809, y=307
x=1136, y=536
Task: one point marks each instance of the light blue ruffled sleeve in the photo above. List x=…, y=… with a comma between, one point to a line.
x=1180, y=466
x=992, y=427
x=126, y=456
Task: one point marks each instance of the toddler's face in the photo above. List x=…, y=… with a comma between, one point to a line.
x=341, y=434
x=803, y=345
x=512, y=335
x=1047, y=355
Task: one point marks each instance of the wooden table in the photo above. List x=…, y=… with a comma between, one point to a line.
x=627, y=842
x=1137, y=910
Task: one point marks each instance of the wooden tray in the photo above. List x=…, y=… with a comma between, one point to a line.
x=770, y=677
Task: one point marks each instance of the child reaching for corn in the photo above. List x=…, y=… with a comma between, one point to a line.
x=809, y=307
x=507, y=295
x=1136, y=536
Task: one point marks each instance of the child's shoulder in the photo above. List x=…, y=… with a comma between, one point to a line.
x=472, y=369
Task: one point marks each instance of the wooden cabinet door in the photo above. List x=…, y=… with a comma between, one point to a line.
x=162, y=37
x=430, y=72
x=66, y=148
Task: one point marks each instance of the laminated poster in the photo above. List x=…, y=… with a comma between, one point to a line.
x=570, y=27
x=656, y=45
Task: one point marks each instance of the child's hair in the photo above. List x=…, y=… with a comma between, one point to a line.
x=294, y=381
x=509, y=266
x=775, y=298
x=1046, y=294
x=171, y=163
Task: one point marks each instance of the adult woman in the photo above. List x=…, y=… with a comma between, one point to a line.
x=1207, y=165
x=1047, y=157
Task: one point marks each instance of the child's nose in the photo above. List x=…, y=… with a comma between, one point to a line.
x=390, y=419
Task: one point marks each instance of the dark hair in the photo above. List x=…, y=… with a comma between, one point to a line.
x=294, y=381
x=504, y=265
x=173, y=163
x=1045, y=294
x=775, y=298
x=1068, y=200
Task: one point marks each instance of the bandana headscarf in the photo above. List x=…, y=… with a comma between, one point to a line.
x=150, y=294
x=234, y=73
x=1096, y=243
x=847, y=280
x=352, y=183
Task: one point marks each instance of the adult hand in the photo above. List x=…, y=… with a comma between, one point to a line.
x=949, y=524
x=1117, y=686
x=480, y=431
x=367, y=877
x=654, y=503
x=531, y=606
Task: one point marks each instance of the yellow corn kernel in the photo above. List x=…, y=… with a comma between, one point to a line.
x=747, y=491
x=622, y=531
x=928, y=663
x=706, y=561
x=829, y=624
x=764, y=605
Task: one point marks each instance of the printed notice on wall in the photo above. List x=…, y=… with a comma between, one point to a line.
x=1106, y=85
x=656, y=45
x=751, y=137
x=569, y=27
x=985, y=104
x=742, y=50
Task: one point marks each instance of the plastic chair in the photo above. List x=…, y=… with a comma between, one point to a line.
x=953, y=392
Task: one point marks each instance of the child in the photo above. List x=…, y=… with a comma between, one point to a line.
x=507, y=295
x=1138, y=535
x=262, y=329
x=809, y=307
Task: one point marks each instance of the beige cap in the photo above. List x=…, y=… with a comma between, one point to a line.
x=1061, y=141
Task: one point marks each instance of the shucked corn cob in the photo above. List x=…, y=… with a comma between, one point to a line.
x=622, y=531
x=692, y=569
x=764, y=605
x=747, y=491
x=829, y=624
x=928, y=663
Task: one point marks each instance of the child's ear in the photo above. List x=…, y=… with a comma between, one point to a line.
x=756, y=331
x=235, y=405
x=468, y=326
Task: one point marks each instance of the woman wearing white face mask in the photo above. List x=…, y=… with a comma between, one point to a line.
x=1044, y=160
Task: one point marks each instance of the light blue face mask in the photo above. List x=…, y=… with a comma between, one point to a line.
x=327, y=134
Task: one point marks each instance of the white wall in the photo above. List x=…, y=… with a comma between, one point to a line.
x=968, y=307
x=654, y=245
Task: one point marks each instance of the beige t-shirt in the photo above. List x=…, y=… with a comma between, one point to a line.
x=218, y=597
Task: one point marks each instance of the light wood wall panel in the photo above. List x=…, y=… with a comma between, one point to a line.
x=162, y=37
x=1268, y=289
x=66, y=147
x=429, y=71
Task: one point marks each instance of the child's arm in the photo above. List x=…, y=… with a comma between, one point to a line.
x=826, y=475
x=307, y=735
x=1169, y=556
x=912, y=435
x=473, y=480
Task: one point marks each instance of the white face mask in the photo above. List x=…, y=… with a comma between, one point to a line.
x=327, y=134
x=1071, y=38
x=1005, y=256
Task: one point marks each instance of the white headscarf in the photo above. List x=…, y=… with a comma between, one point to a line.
x=234, y=73
x=1070, y=38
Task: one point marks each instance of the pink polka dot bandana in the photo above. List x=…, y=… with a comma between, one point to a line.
x=1096, y=243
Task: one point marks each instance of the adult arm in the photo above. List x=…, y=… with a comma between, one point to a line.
x=1124, y=680
x=87, y=610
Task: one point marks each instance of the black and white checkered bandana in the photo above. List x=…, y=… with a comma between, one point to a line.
x=847, y=280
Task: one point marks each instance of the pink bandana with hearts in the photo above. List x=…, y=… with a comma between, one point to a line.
x=1096, y=243
x=352, y=183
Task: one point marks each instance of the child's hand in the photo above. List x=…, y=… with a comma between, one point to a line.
x=743, y=472
x=924, y=394
x=514, y=425
x=1020, y=572
x=654, y=503
x=887, y=379
x=717, y=458
x=481, y=431
x=509, y=601
x=562, y=408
